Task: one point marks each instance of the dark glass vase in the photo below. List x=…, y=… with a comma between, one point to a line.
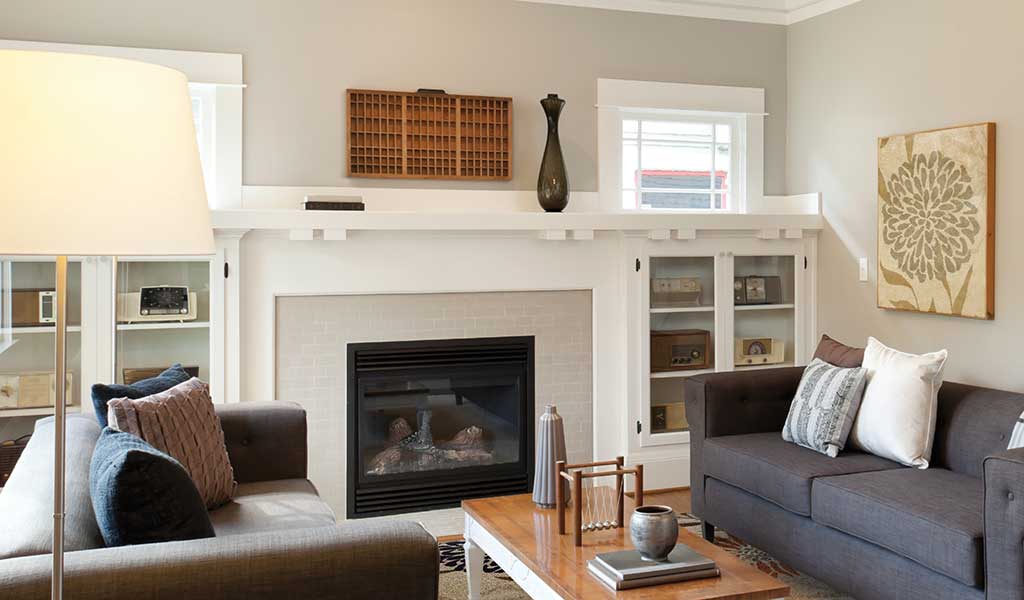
x=552, y=182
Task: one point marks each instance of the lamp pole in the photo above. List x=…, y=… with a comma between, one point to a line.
x=60, y=384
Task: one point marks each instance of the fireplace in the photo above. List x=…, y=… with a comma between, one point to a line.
x=431, y=423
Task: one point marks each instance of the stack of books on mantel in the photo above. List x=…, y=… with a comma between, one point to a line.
x=625, y=569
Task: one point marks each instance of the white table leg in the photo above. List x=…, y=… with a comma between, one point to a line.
x=474, y=568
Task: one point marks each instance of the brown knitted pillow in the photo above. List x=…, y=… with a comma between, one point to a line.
x=182, y=423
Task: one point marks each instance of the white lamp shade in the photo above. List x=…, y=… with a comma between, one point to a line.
x=98, y=156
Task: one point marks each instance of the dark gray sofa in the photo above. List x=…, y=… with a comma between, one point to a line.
x=276, y=539
x=866, y=526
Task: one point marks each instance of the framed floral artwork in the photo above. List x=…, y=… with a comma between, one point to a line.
x=936, y=221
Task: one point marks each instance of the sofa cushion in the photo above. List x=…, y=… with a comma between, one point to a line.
x=26, y=502
x=934, y=517
x=271, y=506
x=183, y=423
x=102, y=394
x=143, y=496
x=765, y=465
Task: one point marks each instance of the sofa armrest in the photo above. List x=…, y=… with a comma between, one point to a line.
x=1004, y=525
x=266, y=440
x=354, y=561
x=734, y=403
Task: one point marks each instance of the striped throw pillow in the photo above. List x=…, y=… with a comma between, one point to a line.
x=1017, y=437
x=826, y=403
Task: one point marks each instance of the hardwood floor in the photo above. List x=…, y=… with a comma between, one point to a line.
x=678, y=499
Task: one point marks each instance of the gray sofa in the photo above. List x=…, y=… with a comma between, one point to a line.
x=862, y=524
x=277, y=539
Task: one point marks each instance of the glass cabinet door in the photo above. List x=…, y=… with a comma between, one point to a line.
x=764, y=305
x=27, y=336
x=162, y=317
x=681, y=301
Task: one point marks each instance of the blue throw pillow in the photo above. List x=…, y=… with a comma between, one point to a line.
x=141, y=495
x=101, y=394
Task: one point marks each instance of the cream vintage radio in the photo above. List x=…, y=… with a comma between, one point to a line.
x=759, y=351
x=157, y=303
x=675, y=291
x=680, y=350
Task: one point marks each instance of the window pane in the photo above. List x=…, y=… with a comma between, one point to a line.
x=676, y=200
x=629, y=129
x=722, y=164
x=721, y=201
x=677, y=132
x=723, y=134
x=630, y=165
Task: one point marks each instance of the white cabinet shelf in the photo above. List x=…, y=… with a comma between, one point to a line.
x=758, y=367
x=163, y=326
x=16, y=331
x=681, y=309
x=747, y=307
x=36, y=412
x=680, y=374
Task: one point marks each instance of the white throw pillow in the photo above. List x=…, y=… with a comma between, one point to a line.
x=897, y=414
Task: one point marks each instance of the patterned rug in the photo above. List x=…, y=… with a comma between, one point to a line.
x=499, y=586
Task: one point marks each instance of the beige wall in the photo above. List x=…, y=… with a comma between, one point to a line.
x=300, y=56
x=881, y=67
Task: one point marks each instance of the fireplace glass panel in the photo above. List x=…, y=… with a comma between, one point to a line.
x=415, y=424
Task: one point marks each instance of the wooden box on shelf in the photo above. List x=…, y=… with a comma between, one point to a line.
x=31, y=390
x=428, y=135
x=130, y=375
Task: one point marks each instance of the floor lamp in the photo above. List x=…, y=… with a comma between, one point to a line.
x=99, y=158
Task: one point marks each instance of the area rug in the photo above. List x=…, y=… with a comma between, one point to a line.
x=499, y=586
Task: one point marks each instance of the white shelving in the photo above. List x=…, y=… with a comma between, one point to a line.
x=35, y=412
x=682, y=309
x=680, y=374
x=747, y=307
x=162, y=326
x=26, y=330
x=757, y=367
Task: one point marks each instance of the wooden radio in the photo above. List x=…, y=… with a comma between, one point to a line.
x=680, y=350
x=757, y=289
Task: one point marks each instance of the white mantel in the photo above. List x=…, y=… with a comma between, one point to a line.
x=275, y=250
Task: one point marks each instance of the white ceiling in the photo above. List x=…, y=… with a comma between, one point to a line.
x=779, y=12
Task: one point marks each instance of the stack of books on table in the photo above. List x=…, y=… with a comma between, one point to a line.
x=625, y=569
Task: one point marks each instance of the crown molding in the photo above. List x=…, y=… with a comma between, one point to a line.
x=775, y=12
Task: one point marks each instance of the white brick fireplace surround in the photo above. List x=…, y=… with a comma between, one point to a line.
x=312, y=332
x=289, y=266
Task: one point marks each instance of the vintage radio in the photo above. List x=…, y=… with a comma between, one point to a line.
x=757, y=289
x=669, y=417
x=759, y=351
x=131, y=376
x=32, y=390
x=33, y=308
x=157, y=303
x=680, y=350
x=675, y=291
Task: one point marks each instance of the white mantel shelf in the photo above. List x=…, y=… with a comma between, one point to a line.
x=301, y=224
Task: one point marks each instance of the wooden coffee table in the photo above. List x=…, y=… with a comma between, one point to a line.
x=523, y=540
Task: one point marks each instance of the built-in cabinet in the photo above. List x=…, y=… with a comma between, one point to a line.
x=108, y=340
x=705, y=306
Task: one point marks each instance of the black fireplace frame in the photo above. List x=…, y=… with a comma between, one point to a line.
x=450, y=487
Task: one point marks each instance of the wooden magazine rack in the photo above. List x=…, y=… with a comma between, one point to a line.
x=428, y=135
x=575, y=475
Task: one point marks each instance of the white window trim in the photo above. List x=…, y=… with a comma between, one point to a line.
x=218, y=77
x=618, y=99
x=736, y=154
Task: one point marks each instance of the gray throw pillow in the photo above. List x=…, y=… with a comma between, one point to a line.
x=826, y=403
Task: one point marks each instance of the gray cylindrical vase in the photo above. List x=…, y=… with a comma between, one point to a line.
x=550, y=449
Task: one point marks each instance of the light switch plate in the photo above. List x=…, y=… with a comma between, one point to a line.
x=863, y=269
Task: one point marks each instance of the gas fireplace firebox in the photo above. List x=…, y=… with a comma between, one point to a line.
x=431, y=423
